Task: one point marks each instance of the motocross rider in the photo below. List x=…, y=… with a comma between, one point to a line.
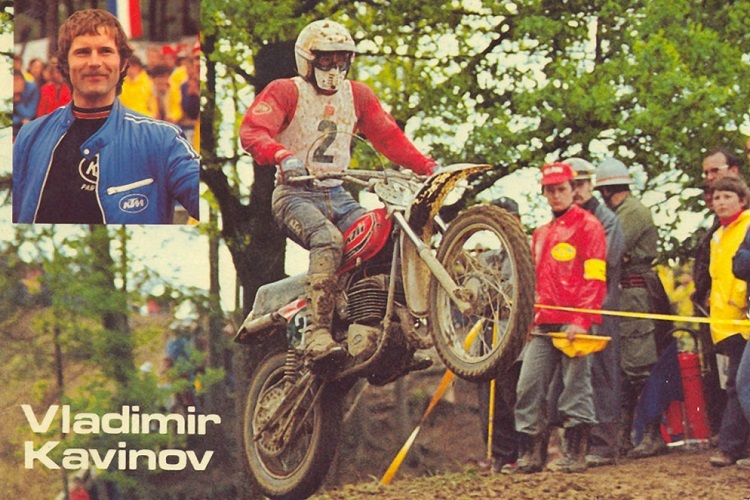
x=304, y=125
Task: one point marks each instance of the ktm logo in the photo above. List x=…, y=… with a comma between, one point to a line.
x=133, y=203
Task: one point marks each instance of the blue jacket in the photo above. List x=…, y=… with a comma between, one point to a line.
x=741, y=260
x=145, y=165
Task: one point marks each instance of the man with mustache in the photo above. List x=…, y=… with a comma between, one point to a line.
x=95, y=161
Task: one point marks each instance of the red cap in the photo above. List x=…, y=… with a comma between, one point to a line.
x=556, y=173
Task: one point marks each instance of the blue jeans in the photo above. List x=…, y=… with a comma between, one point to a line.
x=576, y=401
x=735, y=428
x=315, y=218
x=743, y=381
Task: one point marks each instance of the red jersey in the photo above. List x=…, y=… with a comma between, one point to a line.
x=570, y=254
x=275, y=107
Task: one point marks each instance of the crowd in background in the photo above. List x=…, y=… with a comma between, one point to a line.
x=165, y=85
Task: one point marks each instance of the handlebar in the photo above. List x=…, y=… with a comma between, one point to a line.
x=361, y=177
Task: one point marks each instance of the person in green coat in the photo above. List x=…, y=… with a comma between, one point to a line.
x=638, y=349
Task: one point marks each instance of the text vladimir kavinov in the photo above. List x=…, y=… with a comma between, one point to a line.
x=128, y=421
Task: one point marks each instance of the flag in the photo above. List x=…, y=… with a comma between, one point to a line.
x=128, y=12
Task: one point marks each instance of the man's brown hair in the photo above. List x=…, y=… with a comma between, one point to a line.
x=89, y=22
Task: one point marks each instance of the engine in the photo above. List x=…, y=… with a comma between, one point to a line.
x=367, y=300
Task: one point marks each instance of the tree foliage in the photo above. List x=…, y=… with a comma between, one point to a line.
x=516, y=84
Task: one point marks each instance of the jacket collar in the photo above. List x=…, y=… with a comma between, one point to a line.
x=105, y=134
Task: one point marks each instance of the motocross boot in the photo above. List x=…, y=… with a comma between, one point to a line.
x=534, y=454
x=652, y=443
x=575, y=444
x=322, y=290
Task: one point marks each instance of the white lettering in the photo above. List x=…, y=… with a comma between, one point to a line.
x=86, y=423
x=149, y=454
x=40, y=454
x=116, y=423
x=99, y=462
x=75, y=459
x=34, y=423
x=180, y=464
x=203, y=463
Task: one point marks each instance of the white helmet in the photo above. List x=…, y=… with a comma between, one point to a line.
x=612, y=172
x=584, y=170
x=323, y=36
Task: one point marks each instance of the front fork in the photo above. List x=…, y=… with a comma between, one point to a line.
x=459, y=295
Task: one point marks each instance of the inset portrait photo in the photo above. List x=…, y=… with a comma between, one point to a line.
x=100, y=137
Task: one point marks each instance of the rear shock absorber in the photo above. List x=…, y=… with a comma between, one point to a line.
x=292, y=365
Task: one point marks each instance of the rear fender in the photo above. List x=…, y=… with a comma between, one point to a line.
x=267, y=324
x=420, y=215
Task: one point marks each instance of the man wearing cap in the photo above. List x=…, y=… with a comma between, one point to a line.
x=638, y=349
x=605, y=365
x=570, y=260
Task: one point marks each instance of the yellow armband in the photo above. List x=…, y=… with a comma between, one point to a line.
x=595, y=269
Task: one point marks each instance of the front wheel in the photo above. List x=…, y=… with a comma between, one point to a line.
x=487, y=254
x=290, y=457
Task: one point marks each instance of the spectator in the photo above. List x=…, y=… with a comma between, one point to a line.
x=54, y=93
x=77, y=490
x=569, y=254
x=36, y=70
x=741, y=270
x=605, y=365
x=638, y=350
x=25, y=101
x=729, y=301
x=504, y=436
x=18, y=66
x=167, y=102
x=178, y=72
x=153, y=58
x=718, y=163
x=190, y=92
x=138, y=89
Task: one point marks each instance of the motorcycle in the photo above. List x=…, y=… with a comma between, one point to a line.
x=472, y=300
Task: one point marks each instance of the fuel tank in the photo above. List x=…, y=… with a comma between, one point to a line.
x=365, y=238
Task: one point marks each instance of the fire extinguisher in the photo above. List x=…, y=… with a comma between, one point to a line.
x=695, y=416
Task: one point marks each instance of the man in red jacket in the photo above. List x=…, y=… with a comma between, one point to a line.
x=570, y=257
x=305, y=125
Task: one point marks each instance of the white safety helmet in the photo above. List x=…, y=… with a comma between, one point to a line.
x=584, y=170
x=612, y=172
x=324, y=36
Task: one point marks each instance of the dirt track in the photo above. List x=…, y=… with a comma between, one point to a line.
x=436, y=467
x=676, y=475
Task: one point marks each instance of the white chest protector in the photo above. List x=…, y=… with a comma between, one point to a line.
x=320, y=131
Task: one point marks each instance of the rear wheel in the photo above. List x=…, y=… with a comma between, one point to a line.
x=289, y=458
x=486, y=253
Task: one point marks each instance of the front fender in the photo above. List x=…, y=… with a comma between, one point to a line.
x=423, y=209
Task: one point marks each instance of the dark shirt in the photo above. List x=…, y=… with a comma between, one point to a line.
x=701, y=277
x=69, y=194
